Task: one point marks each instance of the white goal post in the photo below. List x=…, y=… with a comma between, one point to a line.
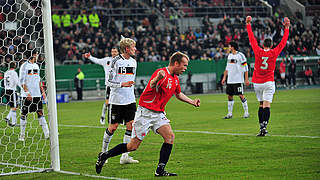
x=26, y=26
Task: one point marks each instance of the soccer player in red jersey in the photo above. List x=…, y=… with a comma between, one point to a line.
x=263, y=74
x=150, y=113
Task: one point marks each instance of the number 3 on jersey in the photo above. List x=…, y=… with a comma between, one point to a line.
x=264, y=63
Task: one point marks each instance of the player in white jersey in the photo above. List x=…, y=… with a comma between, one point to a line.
x=122, y=102
x=11, y=81
x=235, y=69
x=31, y=95
x=106, y=64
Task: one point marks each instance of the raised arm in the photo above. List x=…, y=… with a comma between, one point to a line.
x=94, y=59
x=285, y=37
x=252, y=39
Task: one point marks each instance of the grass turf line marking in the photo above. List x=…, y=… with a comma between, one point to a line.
x=202, y=132
x=89, y=175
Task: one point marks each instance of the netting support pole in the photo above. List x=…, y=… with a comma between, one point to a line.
x=51, y=87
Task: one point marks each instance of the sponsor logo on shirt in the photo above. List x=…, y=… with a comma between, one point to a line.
x=33, y=72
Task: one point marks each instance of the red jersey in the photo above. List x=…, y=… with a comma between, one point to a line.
x=282, y=67
x=265, y=60
x=156, y=98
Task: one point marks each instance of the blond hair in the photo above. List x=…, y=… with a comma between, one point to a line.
x=177, y=57
x=126, y=43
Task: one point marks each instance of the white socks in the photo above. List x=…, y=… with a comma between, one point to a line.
x=12, y=115
x=230, y=107
x=245, y=106
x=44, y=125
x=126, y=139
x=106, y=140
x=23, y=122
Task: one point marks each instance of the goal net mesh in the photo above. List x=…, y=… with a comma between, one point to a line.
x=21, y=31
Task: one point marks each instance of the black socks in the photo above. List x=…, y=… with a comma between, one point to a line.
x=264, y=116
x=117, y=150
x=164, y=156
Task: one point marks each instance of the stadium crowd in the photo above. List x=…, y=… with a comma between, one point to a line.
x=96, y=32
x=206, y=43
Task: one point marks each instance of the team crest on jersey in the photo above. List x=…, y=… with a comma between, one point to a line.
x=169, y=84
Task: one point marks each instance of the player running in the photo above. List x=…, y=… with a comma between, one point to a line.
x=150, y=114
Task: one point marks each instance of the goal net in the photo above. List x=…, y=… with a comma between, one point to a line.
x=25, y=26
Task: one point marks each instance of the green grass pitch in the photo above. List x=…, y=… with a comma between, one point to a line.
x=206, y=146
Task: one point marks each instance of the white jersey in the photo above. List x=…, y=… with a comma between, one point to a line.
x=105, y=63
x=11, y=80
x=236, y=66
x=122, y=70
x=30, y=76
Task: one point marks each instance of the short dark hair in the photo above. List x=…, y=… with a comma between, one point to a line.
x=234, y=45
x=35, y=51
x=267, y=43
x=12, y=65
x=177, y=57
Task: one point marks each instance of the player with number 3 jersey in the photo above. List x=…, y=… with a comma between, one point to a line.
x=263, y=74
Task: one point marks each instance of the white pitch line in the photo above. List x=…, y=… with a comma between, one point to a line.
x=203, y=132
x=89, y=175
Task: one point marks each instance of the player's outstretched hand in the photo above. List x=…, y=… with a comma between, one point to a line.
x=286, y=22
x=196, y=102
x=127, y=84
x=248, y=19
x=87, y=55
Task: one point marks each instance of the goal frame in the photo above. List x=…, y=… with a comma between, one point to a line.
x=51, y=96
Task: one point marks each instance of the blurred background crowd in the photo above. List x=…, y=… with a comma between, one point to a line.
x=157, y=27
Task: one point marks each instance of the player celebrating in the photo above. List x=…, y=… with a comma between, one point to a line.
x=11, y=81
x=122, y=100
x=263, y=74
x=31, y=95
x=236, y=66
x=105, y=63
x=150, y=114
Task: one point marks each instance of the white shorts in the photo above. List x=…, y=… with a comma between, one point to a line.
x=283, y=75
x=265, y=91
x=145, y=120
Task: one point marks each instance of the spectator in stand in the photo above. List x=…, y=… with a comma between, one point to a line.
x=212, y=34
x=292, y=72
x=318, y=50
x=309, y=75
x=282, y=70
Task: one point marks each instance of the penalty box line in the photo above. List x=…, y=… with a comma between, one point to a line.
x=202, y=132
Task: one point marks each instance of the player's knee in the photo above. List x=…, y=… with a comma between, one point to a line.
x=132, y=146
x=113, y=127
x=129, y=125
